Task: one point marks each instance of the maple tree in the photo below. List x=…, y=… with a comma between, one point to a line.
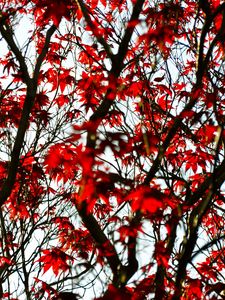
x=112, y=148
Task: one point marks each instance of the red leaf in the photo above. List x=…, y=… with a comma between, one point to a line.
x=61, y=100
x=5, y=261
x=146, y=199
x=55, y=259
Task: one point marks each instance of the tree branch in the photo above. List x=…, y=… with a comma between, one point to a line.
x=90, y=222
x=7, y=34
x=27, y=107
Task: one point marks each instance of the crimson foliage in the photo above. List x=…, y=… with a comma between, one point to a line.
x=112, y=156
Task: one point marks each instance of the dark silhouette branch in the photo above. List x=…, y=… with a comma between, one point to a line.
x=31, y=84
x=89, y=220
x=202, y=65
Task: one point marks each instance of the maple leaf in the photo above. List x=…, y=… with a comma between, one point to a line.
x=5, y=261
x=53, y=159
x=54, y=10
x=62, y=100
x=55, y=259
x=146, y=199
x=65, y=79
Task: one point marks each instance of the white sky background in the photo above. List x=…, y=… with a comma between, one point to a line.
x=21, y=37
x=21, y=34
